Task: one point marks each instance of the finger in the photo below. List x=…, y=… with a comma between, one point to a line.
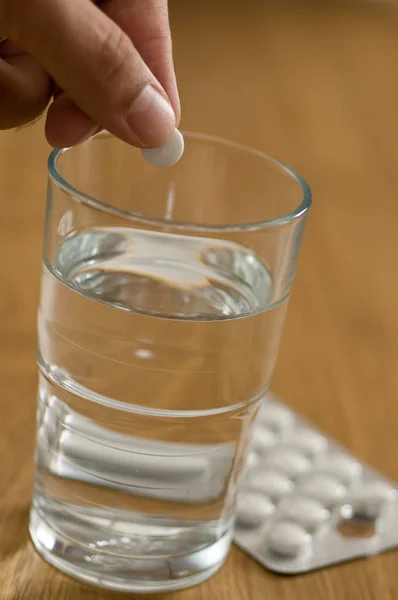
x=147, y=24
x=66, y=124
x=25, y=87
x=97, y=65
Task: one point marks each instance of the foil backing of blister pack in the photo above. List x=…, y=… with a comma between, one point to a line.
x=306, y=502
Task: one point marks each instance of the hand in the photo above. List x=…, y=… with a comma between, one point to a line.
x=109, y=66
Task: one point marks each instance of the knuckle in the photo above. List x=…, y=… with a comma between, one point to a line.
x=114, y=56
x=36, y=102
x=26, y=91
x=16, y=114
x=158, y=44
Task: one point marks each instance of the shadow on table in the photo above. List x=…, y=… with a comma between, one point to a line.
x=70, y=590
x=14, y=532
x=28, y=576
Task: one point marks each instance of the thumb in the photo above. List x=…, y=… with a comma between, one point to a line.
x=96, y=64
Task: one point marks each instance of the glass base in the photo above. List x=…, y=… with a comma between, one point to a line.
x=143, y=575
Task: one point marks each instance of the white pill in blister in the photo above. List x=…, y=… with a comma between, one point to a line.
x=168, y=154
x=324, y=488
x=290, y=462
x=377, y=491
x=263, y=439
x=371, y=498
x=276, y=418
x=308, y=512
x=252, y=460
x=288, y=539
x=342, y=466
x=252, y=508
x=273, y=484
x=308, y=441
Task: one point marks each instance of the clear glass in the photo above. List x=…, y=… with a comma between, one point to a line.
x=163, y=298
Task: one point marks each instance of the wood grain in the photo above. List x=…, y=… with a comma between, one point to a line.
x=316, y=85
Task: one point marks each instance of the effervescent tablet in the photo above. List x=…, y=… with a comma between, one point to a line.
x=168, y=154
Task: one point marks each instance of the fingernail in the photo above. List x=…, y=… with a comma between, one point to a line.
x=151, y=118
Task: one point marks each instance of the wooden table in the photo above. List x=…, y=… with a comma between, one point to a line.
x=315, y=84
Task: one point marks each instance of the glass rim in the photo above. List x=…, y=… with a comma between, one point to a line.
x=87, y=199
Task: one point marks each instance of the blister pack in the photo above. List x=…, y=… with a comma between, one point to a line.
x=306, y=502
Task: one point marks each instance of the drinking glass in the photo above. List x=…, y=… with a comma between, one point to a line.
x=163, y=296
